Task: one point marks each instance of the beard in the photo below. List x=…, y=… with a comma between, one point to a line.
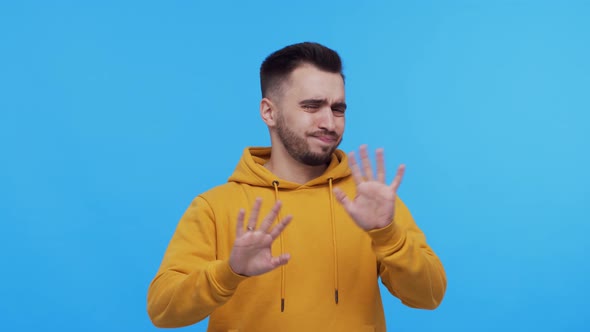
x=299, y=148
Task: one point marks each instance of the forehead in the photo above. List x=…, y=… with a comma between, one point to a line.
x=308, y=81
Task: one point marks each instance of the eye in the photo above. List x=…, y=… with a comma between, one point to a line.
x=338, y=111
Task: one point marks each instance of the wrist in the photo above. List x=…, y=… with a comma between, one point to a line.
x=380, y=226
x=235, y=269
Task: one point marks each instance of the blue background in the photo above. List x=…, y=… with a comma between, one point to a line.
x=114, y=115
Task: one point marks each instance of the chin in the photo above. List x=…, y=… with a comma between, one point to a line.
x=323, y=150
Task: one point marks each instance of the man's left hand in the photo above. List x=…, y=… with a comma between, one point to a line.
x=374, y=204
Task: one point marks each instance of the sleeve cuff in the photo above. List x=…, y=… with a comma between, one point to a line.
x=387, y=240
x=226, y=279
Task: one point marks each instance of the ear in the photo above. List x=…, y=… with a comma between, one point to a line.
x=268, y=112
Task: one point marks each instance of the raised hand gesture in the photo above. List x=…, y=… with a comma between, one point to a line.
x=251, y=254
x=374, y=204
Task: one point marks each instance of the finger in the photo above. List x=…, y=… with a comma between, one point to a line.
x=240, y=223
x=254, y=214
x=354, y=167
x=342, y=198
x=270, y=218
x=398, y=177
x=276, y=231
x=380, y=165
x=366, y=163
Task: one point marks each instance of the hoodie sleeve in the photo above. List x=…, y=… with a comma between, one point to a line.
x=191, y=282
x=408, y=267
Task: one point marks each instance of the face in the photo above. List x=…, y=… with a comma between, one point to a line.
x=310, y=115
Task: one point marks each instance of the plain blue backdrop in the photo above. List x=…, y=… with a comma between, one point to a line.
x=114, y=115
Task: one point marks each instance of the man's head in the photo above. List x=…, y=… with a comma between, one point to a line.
x=303, y=101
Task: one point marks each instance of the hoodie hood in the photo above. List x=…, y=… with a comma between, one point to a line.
x=250, y=170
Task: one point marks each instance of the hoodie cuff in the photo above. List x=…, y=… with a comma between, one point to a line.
x=387, y=240
x=225, y=278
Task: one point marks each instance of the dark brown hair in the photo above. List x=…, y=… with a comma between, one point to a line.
x=279, y=65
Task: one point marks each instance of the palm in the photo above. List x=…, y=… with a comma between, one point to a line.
x=374, y=204
x=251, y=254
x=253, y=249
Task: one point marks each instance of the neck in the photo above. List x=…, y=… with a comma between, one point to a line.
x=285, y=167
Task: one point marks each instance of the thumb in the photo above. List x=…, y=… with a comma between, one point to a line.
x=280, y=260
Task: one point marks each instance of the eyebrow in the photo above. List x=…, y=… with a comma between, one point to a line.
x=314, y=101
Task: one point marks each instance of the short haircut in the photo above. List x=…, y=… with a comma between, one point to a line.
x=277, y=67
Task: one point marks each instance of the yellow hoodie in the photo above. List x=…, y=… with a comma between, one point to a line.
x=331, y=281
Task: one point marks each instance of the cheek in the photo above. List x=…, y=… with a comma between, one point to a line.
x=340, y=124
x=306, y=121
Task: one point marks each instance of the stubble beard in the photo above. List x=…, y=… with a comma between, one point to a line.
x=298, y=147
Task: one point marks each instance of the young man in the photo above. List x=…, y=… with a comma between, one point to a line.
x=348, y=227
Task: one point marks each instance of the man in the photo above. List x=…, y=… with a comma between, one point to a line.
x=320, y=272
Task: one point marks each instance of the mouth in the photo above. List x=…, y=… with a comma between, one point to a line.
x=327, y=139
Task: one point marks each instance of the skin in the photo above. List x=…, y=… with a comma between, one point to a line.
x=305, y=118
x=306, y=123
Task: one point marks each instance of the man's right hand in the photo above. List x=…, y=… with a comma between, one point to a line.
x=251, y=254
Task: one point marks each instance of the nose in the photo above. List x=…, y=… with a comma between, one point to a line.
x=327, y=121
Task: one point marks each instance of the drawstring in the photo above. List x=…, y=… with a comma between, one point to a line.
x=332, y=217
x=275, y=184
